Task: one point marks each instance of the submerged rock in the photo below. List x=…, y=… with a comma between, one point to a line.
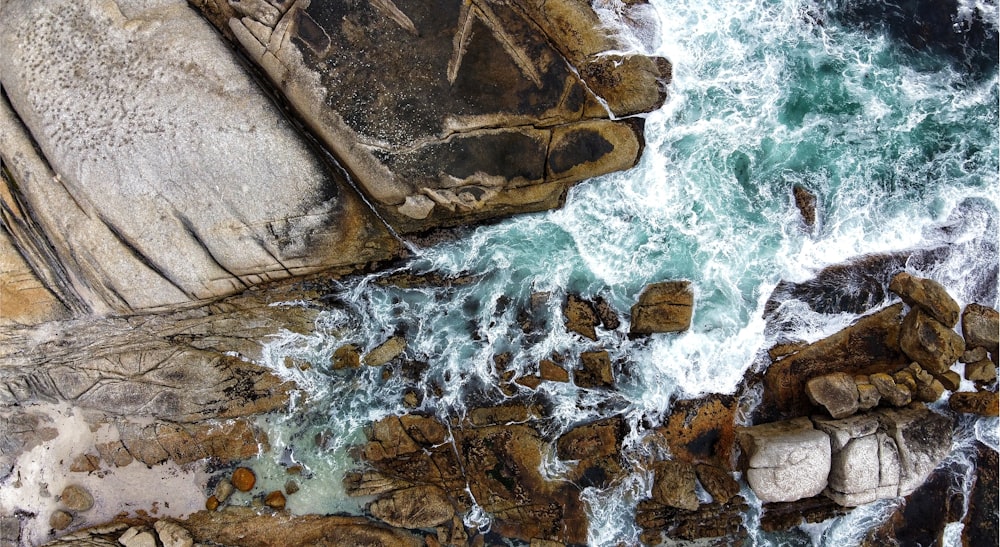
x=805, y=201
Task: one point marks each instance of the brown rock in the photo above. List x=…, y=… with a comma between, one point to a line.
x=674, y=484
x=609, y=319
x=416, y=507
x=868, y=396
x=949, y=379
x=806, y=203
x=928, y=342
x=980, y=327
x=663, y=307
x=530, y=382
x=243, y=479
x=60, y=520
x=717, y=482
x=386, y=352
x=981, y=371
x=928, y=295
x=212, y=503
x=983, y=403
x=870, y=345
x=275, y=500
x=972, y=355
x=581, y=317
x=291, y=486
x=836, y=392
x=76, y=498
x=596, y=370
x=700, y=430
x=346, y=356
x=86, y=463
x=891, y=392
x=552, y=372
x=596, y=447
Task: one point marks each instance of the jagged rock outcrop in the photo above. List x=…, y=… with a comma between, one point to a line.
x=157, y=147
x=928, y=295
x=483, y=117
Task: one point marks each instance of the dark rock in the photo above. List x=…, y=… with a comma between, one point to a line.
x=929, y=343
x=983, y=403
x=717, y=482
x=595, y=371
x=778, y=516
x=674, y=485
x=596, y=447
x=981, y=328
x=949, y=379
x=806, y=203
x=663, y=307
x=609, y=319
x=981, y=522
x=581, y=317
x=836, y=392
x=710, y=520
x=922, y=517
x=868, y=346
x=928, y=295
x=416, y=507
x=923, y=439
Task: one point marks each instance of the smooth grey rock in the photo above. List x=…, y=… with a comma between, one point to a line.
x=173, y=177
x=855, y=472
x=923, y=439
x=787, y=460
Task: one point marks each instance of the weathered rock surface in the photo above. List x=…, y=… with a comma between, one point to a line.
x=981, y=328
x=159, y=143
x=674, y=485
x=663, y=307
x=581, y=317
x=596, y=449
x=595, y=370
x=928, y=342
x=26, y=300
x=928, y=295
x=983, y=403
x=869, y=346
x=700, y=430
x=923, y=439
x=805, y=201
x=482, y=117
x=423, y=506
x=836, y=392
x=710, y=520
x=76, y=498
x=982, y=521
x=787, y=460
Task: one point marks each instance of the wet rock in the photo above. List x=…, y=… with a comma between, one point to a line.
x=674, y=485
x=980, y=327
x=871, y=345
x=112, y=255
x=663, y=307
x=700, y=430
x=581, y=317
x=983, y=403
x=923, y=515
x=275, y=500
x=607, y=314
x=596, y=449
x=779, y=516
x=291, y=486
x=595, y=371
x=923, y=439
x=836, y=392
x=386, y=352
x=346, y=356
x=981, y=371
x=212, y=503
x=928, y=342
x=551, y=372
x=981, y=520
x=926, y=388
x=661, y=523
x=172, y=534
x=60, y=520
x=891, y=392
x=787, y=460
x=244, y=479
x=805, y=201
x=416, y=507
x=717, y=482
x=76, y=498
x=928, y=295
x=137, y=537
x=949, y=379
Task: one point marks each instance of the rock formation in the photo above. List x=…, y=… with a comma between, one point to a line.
x=663, y=307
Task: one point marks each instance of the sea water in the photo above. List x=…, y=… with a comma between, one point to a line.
x=899, y=144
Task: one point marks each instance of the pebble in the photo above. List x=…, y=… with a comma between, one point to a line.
x=275, y=499
x=244, y=479
x=60, y=520
x=76, y=498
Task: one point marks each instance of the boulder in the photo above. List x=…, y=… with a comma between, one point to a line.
x=973, y=354
x=868, y=395
x=663, y=307
x=223, y=489
x=416, y=507
x=145, y=197
x=386, y=351
x=923, y=439
x=581, y=317
x=981, y=371
x=607, y=314
x=836, y=392
x=718, y=482
x=787, y=460
x=551, y=372
x=481, y=118
x=76, y=498
x=346, y=356
x=981, y=328
x=870, y=345
x=674, y=485
x=700, y=430
x=981, y=519
x=595, y=370
x=928, y=295
x=860, y=454
x=928, y=342
x=983, y=403
x=275, y=500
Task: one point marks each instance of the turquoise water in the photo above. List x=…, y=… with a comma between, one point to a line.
x=900, y=146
